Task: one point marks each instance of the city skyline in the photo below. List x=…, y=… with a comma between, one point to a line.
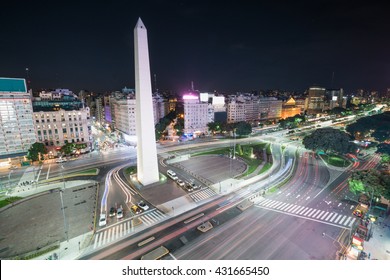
x=235, y=47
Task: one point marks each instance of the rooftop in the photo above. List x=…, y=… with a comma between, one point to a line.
x=12, y=85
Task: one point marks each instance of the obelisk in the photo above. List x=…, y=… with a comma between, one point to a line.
x=147, y=165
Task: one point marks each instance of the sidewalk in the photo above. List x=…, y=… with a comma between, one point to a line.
x=378, y=246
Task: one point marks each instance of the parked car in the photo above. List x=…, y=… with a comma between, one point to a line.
x=143, y=205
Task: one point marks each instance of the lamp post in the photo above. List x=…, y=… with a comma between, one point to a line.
x=9, y=178
x=62, y=204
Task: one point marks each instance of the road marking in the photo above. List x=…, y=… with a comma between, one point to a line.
x=351, y=223
x=339, y=204
x=310, y=212
x=351, y=207
x=292, y=205
x=292, y=209
x=338, y=218
x=331, y=214
x=303, y=210
x=307, y=197
x=48, y=171
x=173, y=257
x=298, y=196
x=288, y=194
x=342, y=220
x=280, y=206
x=347, y=221
x=319, y=214
x=297, y=209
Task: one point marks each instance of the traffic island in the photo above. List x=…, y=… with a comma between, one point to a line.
x=245, y=205
x=205, y=227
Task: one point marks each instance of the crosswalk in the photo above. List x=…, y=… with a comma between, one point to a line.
x=113, y=233
x=202, y=194
x=319, y=215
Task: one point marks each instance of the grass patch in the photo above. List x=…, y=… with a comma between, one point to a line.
x=221, y=151
x=131, y=170
x=93, y=171
x=272, y=190
x=335, y=160
x=9, y=200
x=265, y=167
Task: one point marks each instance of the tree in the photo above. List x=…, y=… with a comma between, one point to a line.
x=161, y=126
x=179, y=126
x=36, y=151
x=243, y=128
x=373, y=182
x=329, y=140
x=68, y=148
x=214, y=127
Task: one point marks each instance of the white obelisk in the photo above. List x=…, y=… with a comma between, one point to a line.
x=147, y=165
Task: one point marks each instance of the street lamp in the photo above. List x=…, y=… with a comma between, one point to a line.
x=62, y=204
x=9, y=178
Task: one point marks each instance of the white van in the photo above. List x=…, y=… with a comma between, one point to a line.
x=172, y=175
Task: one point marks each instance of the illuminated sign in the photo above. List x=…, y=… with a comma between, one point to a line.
x=190, y=97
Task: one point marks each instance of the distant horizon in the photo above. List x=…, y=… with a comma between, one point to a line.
x=237, y=46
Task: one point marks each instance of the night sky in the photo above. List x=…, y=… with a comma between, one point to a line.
x=226, y=46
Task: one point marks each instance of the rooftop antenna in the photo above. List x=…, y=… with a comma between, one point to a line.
x=192, y=85
x=28, y=79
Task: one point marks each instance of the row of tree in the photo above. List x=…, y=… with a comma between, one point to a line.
x=239, y=128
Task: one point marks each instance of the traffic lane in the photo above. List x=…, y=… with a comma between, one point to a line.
x=260, y=234
x=121, y=249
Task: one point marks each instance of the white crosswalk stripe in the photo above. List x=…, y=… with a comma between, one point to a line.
x=202, y=194
x=115, y=232
x=319, y=215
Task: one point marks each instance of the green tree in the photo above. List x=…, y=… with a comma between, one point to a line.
x=329, y=140
x=68, y=149
x=243, y=128
x=214, y=127
x=179, y=126
x=37, y=149
x=374, y=182
x=356, y=186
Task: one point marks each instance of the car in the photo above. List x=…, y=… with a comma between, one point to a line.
x=358, y=213
x=112, y=212
x=180, y=183
x=60, y=160
x=135, y=209
x=143, y=205
x=102, y=220
x=189, y=187
x=119, y=213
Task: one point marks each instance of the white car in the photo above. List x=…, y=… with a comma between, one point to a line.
x=119, y=213
x=143, y=205
x=102, y=220
x=60, y=160
x=180, y=182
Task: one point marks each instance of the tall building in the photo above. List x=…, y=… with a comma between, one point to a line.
x=17, y=132
x=250, y=108
x=195, y=115
x=335, y=98
x=125, y=118
x=56, y=128
x=147, y=165
x=316, y=100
